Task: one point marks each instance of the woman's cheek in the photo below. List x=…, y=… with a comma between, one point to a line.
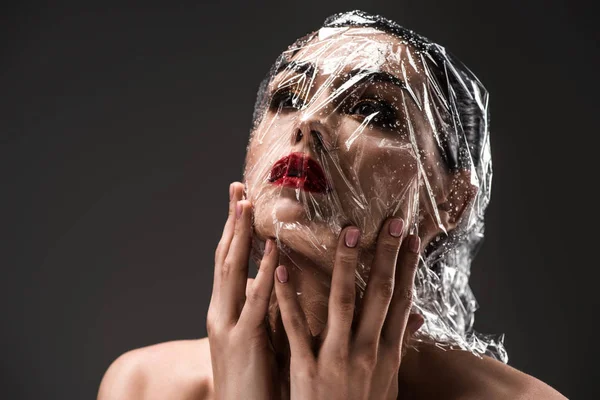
x=380, y=171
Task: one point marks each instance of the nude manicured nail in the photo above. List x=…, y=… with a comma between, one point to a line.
x=282, y=273
x=268, y=246
x=352, y=237
x=230, y=192
x=414, y=244
x=396, y=227
x=238, y=209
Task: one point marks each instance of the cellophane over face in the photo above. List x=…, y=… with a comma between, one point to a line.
x=354, y=125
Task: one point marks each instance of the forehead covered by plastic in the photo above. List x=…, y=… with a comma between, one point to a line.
x=336, y=48
x=333, y=53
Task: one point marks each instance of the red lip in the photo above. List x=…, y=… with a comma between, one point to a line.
x=298, y=170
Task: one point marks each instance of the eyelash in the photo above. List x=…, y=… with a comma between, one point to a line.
x=385, y=117
x=277, y=102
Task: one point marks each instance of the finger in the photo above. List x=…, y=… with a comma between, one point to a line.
x=382, y=380
x=249, y=284
x=236, y=192
x=259, y=295
x=343, y=289
x=380, y=286
x=294, y=320
x=234, y=271
x=397, y=317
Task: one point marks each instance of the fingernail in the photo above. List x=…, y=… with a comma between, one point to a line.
x=414, y=244
x=230, y=192
x=396, y=227
x=352, y=237
x=238, y=209
x=282, y=274
x=268, y=246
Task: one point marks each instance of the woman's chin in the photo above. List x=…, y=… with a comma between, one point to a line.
x=287, y=220
x=277, y=214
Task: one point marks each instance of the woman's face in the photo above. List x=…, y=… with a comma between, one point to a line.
x=347, y=138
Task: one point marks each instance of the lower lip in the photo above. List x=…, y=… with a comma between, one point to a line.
x=300, y=183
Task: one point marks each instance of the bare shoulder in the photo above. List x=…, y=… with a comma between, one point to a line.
x=519, y=385
x=457, y=374
x=172, y=370
x=496, y=380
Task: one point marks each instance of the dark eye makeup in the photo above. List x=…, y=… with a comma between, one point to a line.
x=286, y=99
x=381, y=113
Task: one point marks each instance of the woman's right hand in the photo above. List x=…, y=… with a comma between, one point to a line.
x=361, y=364
x=242, y=357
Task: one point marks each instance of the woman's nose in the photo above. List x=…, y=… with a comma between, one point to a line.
x=312, y=133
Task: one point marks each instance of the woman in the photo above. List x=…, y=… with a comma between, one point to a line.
x=368, y=172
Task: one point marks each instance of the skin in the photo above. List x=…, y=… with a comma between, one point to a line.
x=183, y=369
x=245, y=365
x=362, y=363
x=286, y=358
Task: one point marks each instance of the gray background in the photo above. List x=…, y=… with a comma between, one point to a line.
x=121, y=129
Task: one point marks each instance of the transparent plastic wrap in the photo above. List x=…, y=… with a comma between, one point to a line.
x=363, y=120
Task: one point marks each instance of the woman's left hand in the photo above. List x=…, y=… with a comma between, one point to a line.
x=363, y=364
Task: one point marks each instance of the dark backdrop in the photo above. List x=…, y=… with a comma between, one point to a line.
x=121, y=129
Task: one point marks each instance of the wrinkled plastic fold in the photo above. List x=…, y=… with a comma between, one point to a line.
x=363, y=120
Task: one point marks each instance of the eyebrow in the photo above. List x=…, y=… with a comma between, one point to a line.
x=295, y=66
x=368, y=74
x=373, y=76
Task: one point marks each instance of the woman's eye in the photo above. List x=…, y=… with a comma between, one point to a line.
x=286, y=100
x=383, y=114
x=365, y=109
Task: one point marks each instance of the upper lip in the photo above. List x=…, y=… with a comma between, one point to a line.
x=303, y=167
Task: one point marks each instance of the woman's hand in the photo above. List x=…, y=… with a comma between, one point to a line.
x=362, y=364
x=242, y=358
